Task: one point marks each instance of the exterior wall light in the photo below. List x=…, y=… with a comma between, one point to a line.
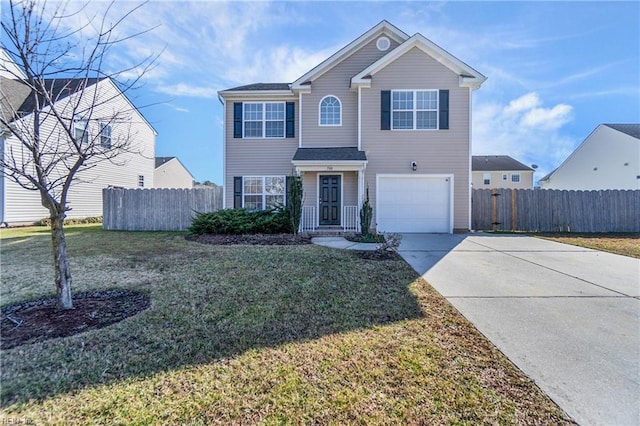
x=414, y=166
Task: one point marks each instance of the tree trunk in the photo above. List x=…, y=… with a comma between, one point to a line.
x=61, y=263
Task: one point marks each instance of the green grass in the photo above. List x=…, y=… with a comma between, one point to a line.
x=249, y=334
x=624, y=244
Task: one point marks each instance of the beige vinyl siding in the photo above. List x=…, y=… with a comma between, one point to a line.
x=336, y=82
x=172, y=174
x=526, y=179
x=435, y=151
x=256, y=157
x=85, y=195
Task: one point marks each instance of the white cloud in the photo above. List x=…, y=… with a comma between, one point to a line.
x=545, y=118
x=526, y=102
x=524, y=129
x=184, y=89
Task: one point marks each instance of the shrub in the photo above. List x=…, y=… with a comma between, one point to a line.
x=294, y=201
x=241, y=221
x=47, y=221
x=366, y=214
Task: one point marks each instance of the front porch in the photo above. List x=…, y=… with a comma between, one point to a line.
x=333, y=186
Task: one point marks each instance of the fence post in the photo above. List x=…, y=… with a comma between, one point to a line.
x=494, y=222
x=513, y=209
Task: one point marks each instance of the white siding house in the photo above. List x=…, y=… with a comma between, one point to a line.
x=130, y=169
x=609, y=158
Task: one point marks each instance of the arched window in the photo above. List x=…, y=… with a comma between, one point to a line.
x=330, y=111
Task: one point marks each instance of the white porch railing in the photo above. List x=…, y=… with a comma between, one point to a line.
x=308, y=220
x=350, y=218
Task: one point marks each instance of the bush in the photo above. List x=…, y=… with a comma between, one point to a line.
x=241, y=221
x=47, y=221
x=366, y=215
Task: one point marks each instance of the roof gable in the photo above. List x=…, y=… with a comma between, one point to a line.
x=383, y=28
x=22, y=103
x=468, y=76
x=630, y=129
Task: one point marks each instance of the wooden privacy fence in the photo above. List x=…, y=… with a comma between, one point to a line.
x=156, y=209
x=550, y=210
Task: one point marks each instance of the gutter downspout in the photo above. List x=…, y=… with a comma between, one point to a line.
x=300, y=120
x=224, y=151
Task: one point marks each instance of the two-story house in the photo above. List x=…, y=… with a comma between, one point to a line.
x=388, y=115
x=500, y=171
x=131, y=168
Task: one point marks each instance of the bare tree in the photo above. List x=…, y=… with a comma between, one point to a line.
x=56, y=90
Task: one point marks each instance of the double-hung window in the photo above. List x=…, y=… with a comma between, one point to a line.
x=105, y=135
x=515, y=177
x=263, y=120
x=263, y=192
x=414, y=109
x=80, y=129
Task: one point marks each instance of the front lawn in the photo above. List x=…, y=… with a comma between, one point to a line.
x=253, y=334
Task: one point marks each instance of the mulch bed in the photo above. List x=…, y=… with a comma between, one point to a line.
x=251, y=239
x=39, y=320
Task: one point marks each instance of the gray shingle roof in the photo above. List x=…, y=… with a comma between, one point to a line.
x=329, y=154
x=14, y=91
x=161, y=160
x=630, y=129
x=12, y=96
x=262, y=86
x=488, y=163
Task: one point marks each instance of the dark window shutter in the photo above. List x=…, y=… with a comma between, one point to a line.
x=237, y=192
x=288, y=186
x=290, y=120
x=385, y=110
x=444, y=109
x=237, y=119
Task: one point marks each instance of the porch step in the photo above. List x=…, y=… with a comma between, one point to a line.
x=330, y=231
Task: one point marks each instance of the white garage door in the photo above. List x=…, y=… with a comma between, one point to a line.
x=414, y=203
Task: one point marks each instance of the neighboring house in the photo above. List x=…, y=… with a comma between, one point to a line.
x=171, y=173
x=500, y=171
x=609, y=158
x=388, y=115
x=129, y=169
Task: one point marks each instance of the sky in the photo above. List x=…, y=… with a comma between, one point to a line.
x=555, y=69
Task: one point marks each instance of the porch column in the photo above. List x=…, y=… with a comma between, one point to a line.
x=360, y=187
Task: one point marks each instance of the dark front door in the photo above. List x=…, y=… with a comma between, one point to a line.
x=330, y=199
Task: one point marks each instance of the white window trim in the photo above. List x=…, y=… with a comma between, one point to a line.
x=140, y=181
x=102, y=125
x=82, y=124
x=264, y=120
x=485, y=177
x=264, y=194
x=514, y=175
x=320, y=112
x=415, y=110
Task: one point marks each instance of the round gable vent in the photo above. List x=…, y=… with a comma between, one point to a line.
x=383, y=44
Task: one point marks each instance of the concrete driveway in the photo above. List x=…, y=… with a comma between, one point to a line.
x=568, y=317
